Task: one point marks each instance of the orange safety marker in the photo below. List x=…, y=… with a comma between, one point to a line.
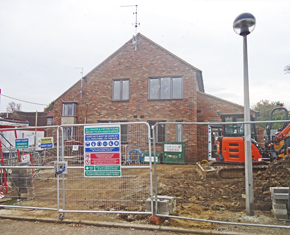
x=156, y=220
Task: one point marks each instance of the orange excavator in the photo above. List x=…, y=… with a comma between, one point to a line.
x=230, y=149
x=278, y=144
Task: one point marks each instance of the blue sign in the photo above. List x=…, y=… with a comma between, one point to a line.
x=102, y=157
x=102, y=143
x=102, y=137
x=102, y=149
x=21, y=143
x=46, y=146
x=46, y=143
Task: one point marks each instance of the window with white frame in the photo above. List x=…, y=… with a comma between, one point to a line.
x=160, y=131
x=165, y=88
x=69, y=108
x=120, y=90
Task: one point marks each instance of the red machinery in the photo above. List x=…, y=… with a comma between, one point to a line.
x=278, y=144
x=6, y=128
x=230, y=154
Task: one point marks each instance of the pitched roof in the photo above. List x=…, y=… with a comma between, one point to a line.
x=217, y=98
x=139, y=35
x=50, y=114
x=199, y=76
x=30, y=117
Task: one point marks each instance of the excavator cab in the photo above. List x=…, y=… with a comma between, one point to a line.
x=236, y=130
x=278, y=144
x=230, y=151
x=231, y=146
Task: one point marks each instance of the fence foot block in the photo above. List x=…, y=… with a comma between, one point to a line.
x=156, y=220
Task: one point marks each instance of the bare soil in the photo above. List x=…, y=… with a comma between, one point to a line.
x=209, y=199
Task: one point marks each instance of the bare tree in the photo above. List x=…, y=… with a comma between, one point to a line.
x=49, y=108
x=287, y=69
x=12, y=106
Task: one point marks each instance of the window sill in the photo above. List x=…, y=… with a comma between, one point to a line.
x=164, y=99
x=120, y=100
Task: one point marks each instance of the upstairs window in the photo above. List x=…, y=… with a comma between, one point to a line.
x=69, y=109
x=50, y=121
x=165, y=88
x=121, y=90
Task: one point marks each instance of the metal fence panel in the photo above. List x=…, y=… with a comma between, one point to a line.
x=27, y=172
x=30, y=177
x=217, y=195
x=125, y=194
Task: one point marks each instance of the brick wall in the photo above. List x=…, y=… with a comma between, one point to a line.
x=137, y=65
x=207, y=111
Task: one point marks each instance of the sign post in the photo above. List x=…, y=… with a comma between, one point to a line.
x=102, y=153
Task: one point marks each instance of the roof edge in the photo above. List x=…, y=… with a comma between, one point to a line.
x=215, y=97
x=177, y=57
x=116, y=52
x=97, y=67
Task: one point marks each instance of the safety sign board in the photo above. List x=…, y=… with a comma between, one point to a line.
x=102, y=156
x=21, y=143
x=46, y=143
x=172, y=147
x=25, y=157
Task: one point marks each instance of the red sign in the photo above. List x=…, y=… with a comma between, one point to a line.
x=103, y=159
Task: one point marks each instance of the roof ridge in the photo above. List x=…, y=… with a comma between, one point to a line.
x=120, y=48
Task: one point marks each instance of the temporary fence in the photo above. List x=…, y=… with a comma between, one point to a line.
x=65, y=171
x=193, y=173
x=27, y=167
x=60, y=169
x=93, y=186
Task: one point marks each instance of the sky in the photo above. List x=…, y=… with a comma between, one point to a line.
x=47, y=46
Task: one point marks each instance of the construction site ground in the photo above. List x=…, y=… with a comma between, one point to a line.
x=209, y=199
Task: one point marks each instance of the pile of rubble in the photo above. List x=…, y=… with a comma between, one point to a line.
x=277, y=175
x=278, y=170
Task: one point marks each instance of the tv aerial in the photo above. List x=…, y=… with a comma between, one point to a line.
x=135, y=13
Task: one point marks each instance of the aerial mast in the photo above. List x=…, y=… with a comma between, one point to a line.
x=135, y=13
x=82, y=73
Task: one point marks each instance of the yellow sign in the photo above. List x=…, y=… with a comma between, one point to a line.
x=46, y=140
x=46, y=143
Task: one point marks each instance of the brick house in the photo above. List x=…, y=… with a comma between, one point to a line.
x=142, y=81
x=33, y=118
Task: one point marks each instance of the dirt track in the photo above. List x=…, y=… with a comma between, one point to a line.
x=12, y=227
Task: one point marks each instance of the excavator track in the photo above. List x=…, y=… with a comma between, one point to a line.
x=235, y=172
x=222, y=170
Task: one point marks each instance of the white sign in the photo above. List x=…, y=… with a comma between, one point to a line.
x=25, y=158
x=75, y=148
x=147, y=159
x=172, y=147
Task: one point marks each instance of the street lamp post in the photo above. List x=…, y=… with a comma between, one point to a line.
x=243, y=25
